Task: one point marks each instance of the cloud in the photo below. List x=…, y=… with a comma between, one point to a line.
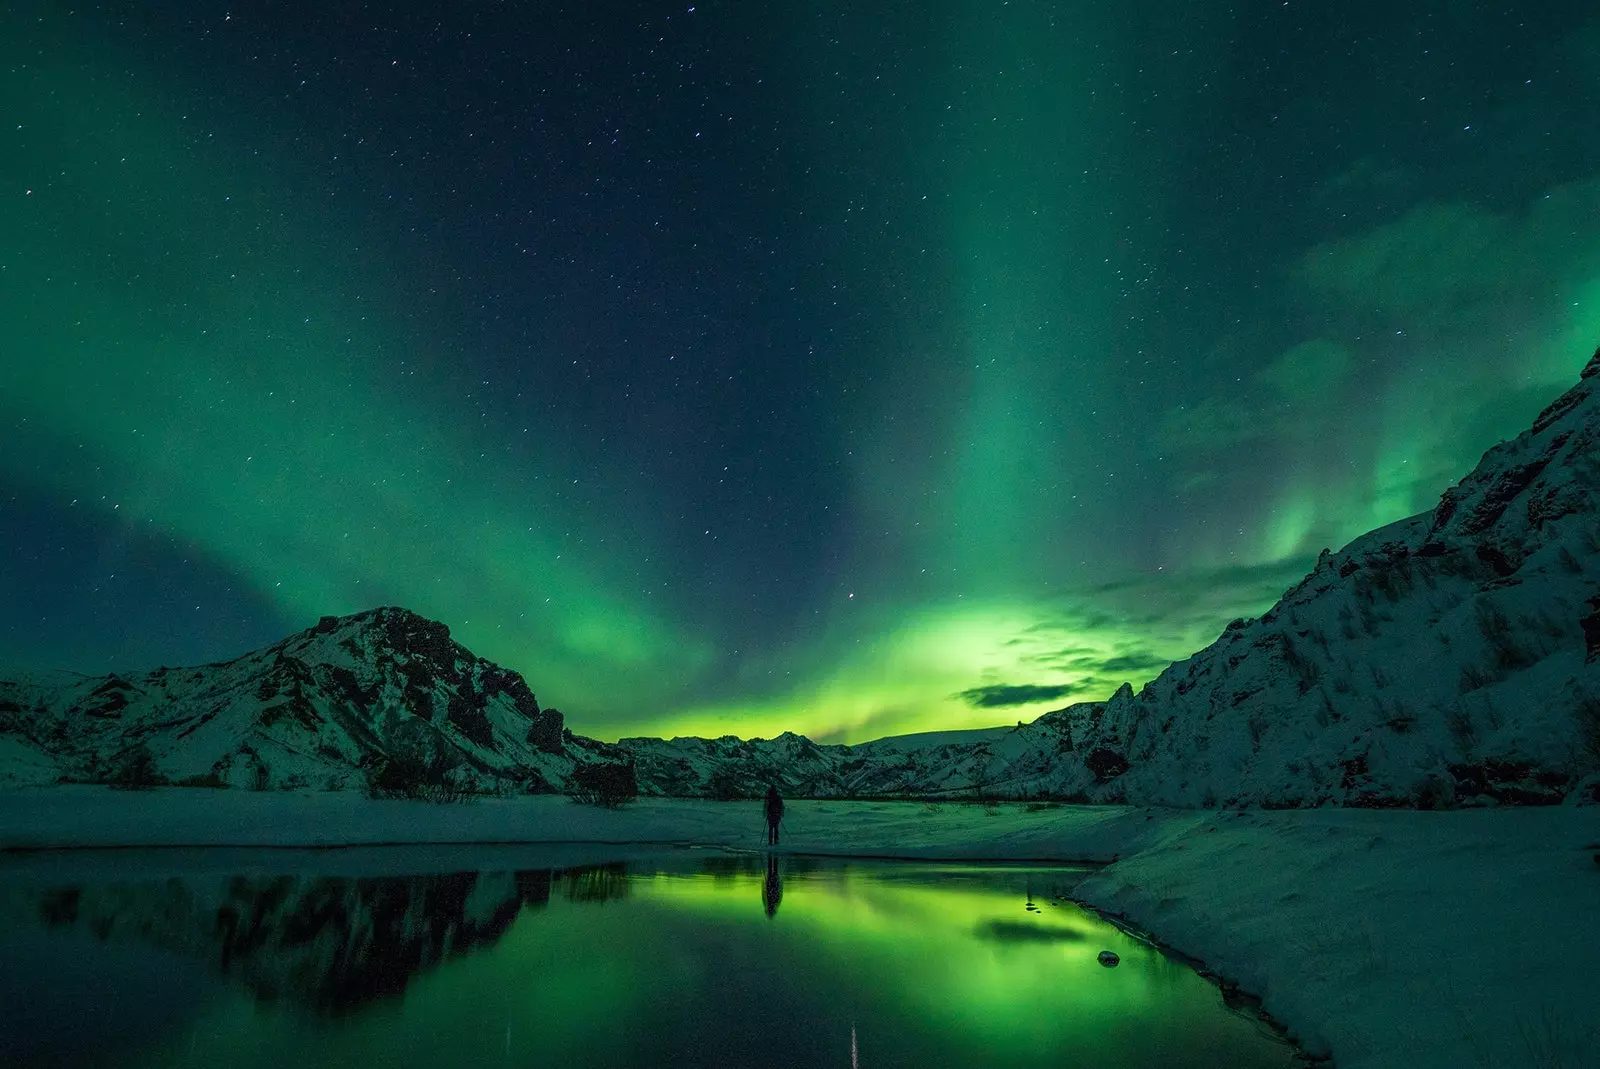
x=1280, y=400
x=1212, y=423
x=1441, y=262
x=1308, y=371
x=1002, y=695
x=1020, y=932
x=1103, y=664
x=1132, y=664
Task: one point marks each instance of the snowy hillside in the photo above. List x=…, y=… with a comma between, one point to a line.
x=328, y=707
x=1445, y=659
x=320, y=709
x=925, y=764
x=1028, y=761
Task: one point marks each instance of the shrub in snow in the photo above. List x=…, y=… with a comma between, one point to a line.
x=1587, y=711
x=607, y=784
x=409, y=775
x=136, y=770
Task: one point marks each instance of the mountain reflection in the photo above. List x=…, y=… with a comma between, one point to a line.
x=665, y=961
x=999, y=931
x=330, y=945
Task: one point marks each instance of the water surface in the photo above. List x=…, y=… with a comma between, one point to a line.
x=703, y=960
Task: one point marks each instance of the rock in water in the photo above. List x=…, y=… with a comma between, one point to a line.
x=1108, y=958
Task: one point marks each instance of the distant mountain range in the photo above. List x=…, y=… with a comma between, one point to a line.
x=1446, y=659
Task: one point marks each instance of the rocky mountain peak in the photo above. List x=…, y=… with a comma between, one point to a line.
x=393, y=633
x=324, y=706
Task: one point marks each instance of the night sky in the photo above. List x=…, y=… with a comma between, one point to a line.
x=852, y=368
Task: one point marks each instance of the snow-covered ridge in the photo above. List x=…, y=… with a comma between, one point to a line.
x=327, y=707
x=1447, y=658
x=320, y=709
x=928, y=764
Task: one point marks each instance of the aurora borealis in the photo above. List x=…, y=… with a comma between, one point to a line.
x=849, y=369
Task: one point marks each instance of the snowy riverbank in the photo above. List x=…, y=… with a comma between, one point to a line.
x=1388, y=938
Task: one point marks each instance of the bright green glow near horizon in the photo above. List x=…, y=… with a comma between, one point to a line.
x=909, y=677
x=919, y=670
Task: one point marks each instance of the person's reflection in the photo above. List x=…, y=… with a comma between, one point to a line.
x=772, y=889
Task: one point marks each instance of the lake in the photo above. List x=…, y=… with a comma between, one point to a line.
x=702, y=958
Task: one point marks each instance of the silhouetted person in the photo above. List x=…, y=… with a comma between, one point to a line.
x=774, y=811
x=772, y=890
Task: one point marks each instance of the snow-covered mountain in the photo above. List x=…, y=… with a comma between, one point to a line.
x=329, y=707
x=932, y=763
x=1034, y=760
x=1448, y=658
x=323, y=709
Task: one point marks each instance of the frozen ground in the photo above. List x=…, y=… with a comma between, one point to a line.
x=1388, y=938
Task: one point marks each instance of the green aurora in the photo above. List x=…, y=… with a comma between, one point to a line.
x=1097, y=382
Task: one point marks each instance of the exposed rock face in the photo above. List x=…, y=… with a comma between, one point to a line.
x=319, y=709
x=546, y=731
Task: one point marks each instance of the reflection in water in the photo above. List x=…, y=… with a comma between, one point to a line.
x=772, y=887
x=596, y=883
x=868, y=964
x=329, y=945
x=1002, y=931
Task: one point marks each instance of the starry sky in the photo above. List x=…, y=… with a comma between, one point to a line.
x=849, y=368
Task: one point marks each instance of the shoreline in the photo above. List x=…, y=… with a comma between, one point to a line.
x=1236, y=998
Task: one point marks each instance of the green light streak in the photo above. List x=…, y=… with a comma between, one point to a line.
x=1023, y=223
x=246, y=415
x=196, y=344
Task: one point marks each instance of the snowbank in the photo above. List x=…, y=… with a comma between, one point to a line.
x=1465, y=938
x=1389, y=938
